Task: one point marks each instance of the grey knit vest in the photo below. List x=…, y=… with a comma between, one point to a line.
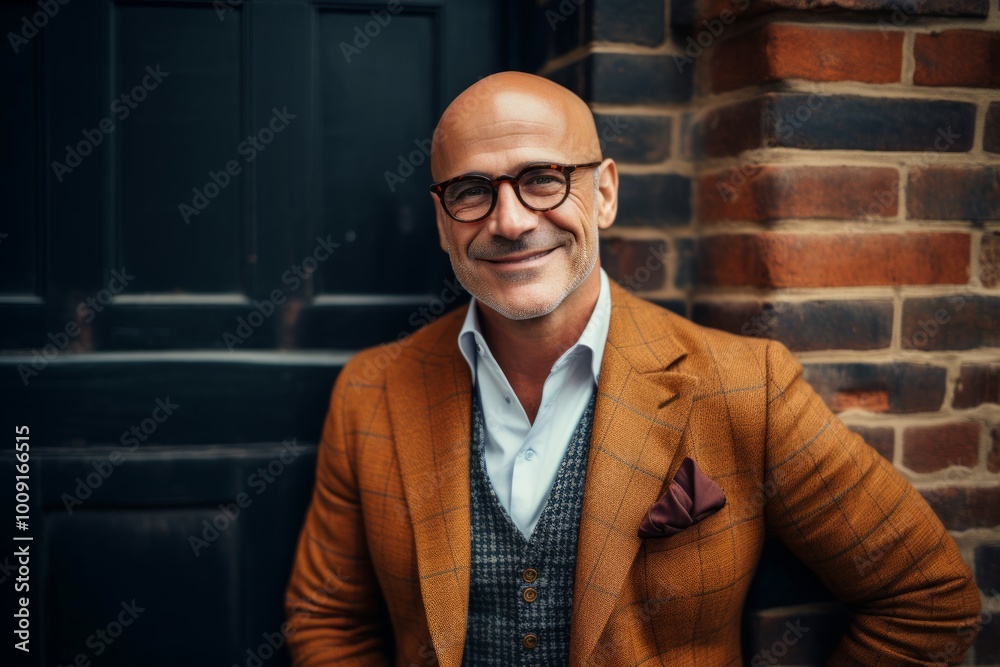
x=521, y=591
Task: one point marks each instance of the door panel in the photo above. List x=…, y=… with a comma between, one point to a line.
x=393, y=225
x=184, y=272
x=19, y=193
x=181, y=133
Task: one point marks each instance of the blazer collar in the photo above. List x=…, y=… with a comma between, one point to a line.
x=639, y=418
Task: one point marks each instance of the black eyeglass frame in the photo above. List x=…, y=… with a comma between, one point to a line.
x=565, y=169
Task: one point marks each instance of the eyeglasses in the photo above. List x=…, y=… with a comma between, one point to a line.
x=540, y=187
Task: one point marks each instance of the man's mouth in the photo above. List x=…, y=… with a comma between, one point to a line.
x=521, y=258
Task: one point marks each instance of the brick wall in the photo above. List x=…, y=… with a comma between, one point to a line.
x=825, y=173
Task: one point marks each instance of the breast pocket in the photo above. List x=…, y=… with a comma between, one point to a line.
x=703, y=559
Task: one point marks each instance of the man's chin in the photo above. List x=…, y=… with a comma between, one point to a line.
x=522, y=304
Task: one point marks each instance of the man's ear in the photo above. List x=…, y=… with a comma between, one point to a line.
x=442, y=223
x=607, y=190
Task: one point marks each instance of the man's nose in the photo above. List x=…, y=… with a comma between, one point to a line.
x=510, y=217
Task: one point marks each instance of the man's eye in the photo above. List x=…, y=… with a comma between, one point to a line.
x=543, y=183
x=472, y=192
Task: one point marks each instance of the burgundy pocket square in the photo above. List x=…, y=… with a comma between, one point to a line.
x=690, y=498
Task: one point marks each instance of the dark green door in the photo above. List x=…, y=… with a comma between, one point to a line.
x=208, y=206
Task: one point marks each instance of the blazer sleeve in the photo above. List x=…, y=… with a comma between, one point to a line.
x=850, y=516
x=333, y=601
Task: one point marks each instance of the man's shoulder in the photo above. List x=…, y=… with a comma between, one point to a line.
x=697, y=345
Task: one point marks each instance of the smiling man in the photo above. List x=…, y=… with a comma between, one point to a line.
x=564, y=474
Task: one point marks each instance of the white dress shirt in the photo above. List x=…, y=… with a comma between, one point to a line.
x=522, y=458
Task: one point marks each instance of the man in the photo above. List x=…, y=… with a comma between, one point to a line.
x=564, y=474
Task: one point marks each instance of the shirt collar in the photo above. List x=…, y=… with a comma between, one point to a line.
x=594, y=336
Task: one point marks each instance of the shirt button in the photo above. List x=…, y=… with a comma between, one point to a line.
x=530, y=640
x=529, y=574
x=507, y=398
x=529, y=454
x=530, y=595
x=479, y=348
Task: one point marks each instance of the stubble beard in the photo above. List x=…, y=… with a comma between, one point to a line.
x=526, y=311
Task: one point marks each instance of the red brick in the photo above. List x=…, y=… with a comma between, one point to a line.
x=931, y=448
x=637, y=264
x=734, y=128
x=710, y=8
x=977, y=384
x=961, y=508
x=955, y=322
x=989, y=259
x=869, y=401
x=804, y=326
x=991, y=134
x=881, y=438
x=898, y=388
x=957, y=58
x=791, y=51
x=772, y=259
x=954, y=193
x=750, y=192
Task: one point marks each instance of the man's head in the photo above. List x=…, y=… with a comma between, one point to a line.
x=519, y=262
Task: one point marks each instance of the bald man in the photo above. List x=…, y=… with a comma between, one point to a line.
x=564, y=474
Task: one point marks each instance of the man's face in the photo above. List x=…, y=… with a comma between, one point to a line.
x=518, y=262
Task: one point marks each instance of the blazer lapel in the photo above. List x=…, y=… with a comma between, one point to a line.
x=640, y=416
x=432, y=433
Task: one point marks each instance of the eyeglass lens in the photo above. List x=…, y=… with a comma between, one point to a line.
x=537, y=189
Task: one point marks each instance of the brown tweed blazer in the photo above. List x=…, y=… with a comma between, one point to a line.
x=387, y=536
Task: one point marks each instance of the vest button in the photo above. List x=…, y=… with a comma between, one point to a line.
x=530, y=595
x=530, y=640
x=529, y=574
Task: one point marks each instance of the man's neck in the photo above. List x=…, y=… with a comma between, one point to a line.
x=526, y=349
